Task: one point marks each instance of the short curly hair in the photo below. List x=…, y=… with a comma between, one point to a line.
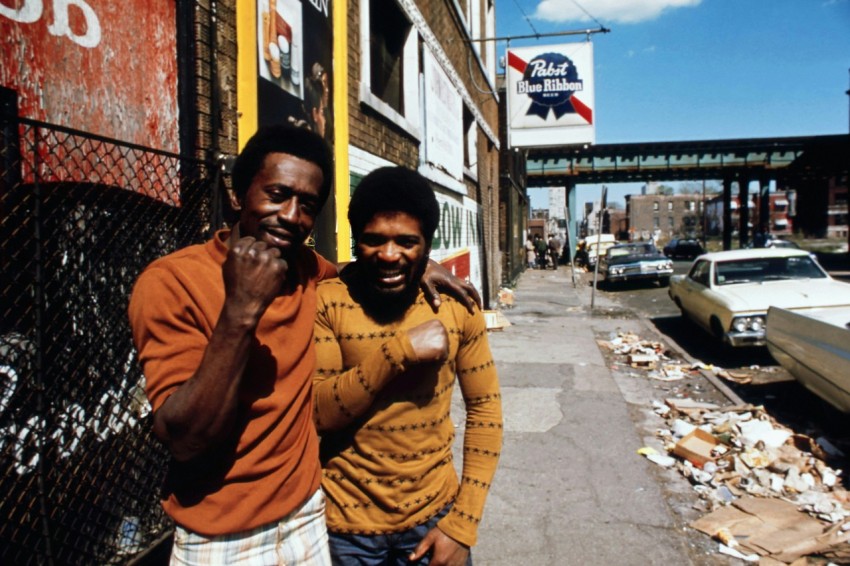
x=394, y=189
x=282, y=138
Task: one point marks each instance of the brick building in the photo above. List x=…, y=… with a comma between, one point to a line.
x=780, y=208
x=422, y=94
x=663, y=216
x=405, y=84
x=514, y=205
x=838, y=213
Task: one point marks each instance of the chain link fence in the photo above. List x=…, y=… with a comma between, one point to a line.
x=81, y=217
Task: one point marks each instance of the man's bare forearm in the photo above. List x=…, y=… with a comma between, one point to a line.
x=201, y=412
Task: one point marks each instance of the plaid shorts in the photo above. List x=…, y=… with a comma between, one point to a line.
x=299, y=538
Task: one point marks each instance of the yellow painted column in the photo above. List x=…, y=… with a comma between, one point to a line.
x=246, y=69
x=342, y=181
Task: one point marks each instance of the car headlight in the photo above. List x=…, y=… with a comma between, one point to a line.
x=667, y=265
x=751, y=323
x=616, y=270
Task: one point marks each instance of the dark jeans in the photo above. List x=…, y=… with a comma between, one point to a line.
x=382, y=550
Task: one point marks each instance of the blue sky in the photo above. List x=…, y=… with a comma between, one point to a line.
x=674, y=70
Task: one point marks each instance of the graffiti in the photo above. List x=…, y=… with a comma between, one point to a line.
x=320, y=5
x=25, y=442
x=30, y=11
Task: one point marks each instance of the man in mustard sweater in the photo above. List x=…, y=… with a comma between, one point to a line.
x=386, y=369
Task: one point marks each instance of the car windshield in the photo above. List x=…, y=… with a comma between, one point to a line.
x=757, y=270
x=637, y=249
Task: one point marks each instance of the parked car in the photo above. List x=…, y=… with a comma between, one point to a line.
x=814, y=346
x=728, y=293
x=594, y=245
x=632, y=262
x=684, y=248
x=772, y=242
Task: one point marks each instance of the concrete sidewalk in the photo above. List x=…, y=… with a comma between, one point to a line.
x=570, y=488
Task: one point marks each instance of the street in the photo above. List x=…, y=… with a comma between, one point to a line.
x=767, y=383
x=571, y=487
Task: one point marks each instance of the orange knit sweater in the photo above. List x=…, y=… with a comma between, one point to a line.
x=386, y=425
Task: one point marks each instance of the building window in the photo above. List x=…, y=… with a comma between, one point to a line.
x=691, y=206
x=655, y=206
x=389, y=68
x=470, y=140
x=671, y=222
x=388, y=31
x=670, y=205
x=655, y=223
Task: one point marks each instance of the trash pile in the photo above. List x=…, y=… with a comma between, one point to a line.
x=650, y=356
x=506, y=297
x=768, y=494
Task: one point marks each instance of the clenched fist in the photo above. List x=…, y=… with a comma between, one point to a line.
x=430, y=341
x=254, y=274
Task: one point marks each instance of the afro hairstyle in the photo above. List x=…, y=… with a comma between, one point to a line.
x=282, y=138
x=394, y=189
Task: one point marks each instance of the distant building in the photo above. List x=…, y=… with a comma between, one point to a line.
x=837, y=211
x=780, y=213
x=537, y=226
x=618, y=224
x=557, y=202
x=663, y=217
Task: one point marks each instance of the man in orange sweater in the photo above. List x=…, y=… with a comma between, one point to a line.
x=224, y=335
x=386, y=369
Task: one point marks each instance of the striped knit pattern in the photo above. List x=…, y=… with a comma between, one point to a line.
x=386, y=423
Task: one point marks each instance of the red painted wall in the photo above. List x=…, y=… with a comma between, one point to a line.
x=105, y=67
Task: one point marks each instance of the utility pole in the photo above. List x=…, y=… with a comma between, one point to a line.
x=603, y=202
x=704, y=223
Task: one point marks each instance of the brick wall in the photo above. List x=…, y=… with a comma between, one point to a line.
x=373, y=133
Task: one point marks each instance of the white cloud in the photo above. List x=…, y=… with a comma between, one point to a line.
x=608, y=11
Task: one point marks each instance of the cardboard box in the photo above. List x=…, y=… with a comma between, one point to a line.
x=495, y=320
x=696, y=447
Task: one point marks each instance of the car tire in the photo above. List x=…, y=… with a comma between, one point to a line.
x=716, y=329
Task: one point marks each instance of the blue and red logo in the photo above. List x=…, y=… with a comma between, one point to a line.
x=551, y=81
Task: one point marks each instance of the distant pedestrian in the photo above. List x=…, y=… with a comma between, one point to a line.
x=554, y=249
x=540, y=249
x=530, y=255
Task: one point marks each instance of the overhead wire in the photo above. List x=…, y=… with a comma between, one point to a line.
x=586, y=13
x=527, y=19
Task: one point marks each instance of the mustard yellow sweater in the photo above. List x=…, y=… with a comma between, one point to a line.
x=386, y=425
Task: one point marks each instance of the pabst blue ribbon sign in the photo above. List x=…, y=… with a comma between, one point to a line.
x=550, y=95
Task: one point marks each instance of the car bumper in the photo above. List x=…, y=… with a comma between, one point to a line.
x=637, y=274
x=746, y=338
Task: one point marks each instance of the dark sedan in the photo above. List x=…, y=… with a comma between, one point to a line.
x=633, y=262
x=687, y=248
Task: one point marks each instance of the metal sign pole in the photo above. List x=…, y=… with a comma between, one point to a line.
x=603, y=202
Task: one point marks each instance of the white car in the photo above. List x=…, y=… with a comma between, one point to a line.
x=728, y=293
